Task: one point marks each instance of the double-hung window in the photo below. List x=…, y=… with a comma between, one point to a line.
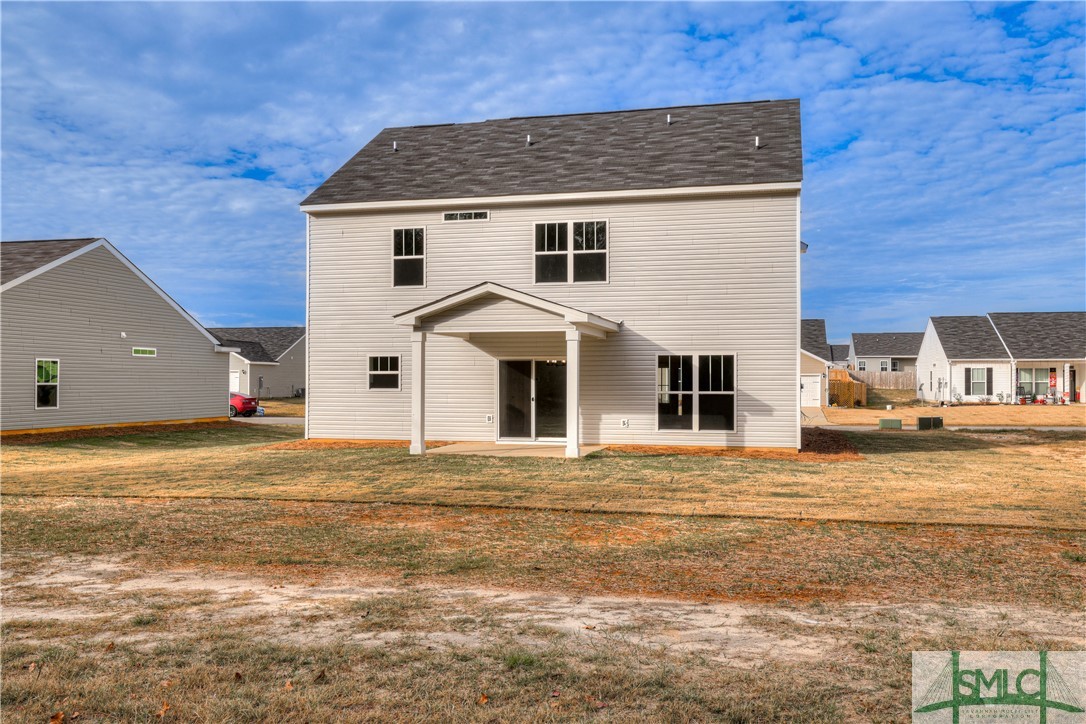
x=978, y=381
x=884, y=365
x=384, y=372
x=408, y=258
x=861, y=365
x=559, y=262
x=47, y=387
x=707, y=405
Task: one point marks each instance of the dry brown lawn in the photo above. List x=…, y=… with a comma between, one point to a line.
x=284, y=407
x=1020, y=478
x=134, y=590
x=233, y=610
x=994, y=415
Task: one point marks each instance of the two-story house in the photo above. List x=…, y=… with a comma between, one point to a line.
x=604, y=278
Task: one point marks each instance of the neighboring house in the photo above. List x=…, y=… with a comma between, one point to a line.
x=625, y=277
x=270, y=361
x=1016, y=355
x=89, y=340
x=839, y=355
x=884, y=351
x=816, y=358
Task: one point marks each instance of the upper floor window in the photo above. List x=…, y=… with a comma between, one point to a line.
x=559, y=262
x=47, y=387
x=408, y=258
x=144, y=352
x=466, y=216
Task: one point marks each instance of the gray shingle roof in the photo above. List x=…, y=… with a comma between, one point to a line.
x=812, y=338
x=968, y=338
x=18, y=258
x=706, y=145
x=1043, y=335
x=839, y=353
x=887, y=344
x=259, y=344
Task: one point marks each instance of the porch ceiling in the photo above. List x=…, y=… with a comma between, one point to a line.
x=493, y=308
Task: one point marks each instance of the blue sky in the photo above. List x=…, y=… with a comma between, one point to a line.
x=944, y=142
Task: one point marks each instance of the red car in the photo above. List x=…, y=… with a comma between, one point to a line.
x=242, y=405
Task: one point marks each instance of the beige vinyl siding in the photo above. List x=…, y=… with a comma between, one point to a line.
x=240, y=365
x=289, y=375
x=810, y=365
x=698, y=276
x=76, y=313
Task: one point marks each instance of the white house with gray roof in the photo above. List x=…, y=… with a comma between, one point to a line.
x=625, y=277
x=1019, y=356
x=89, y=339
x=270, y=361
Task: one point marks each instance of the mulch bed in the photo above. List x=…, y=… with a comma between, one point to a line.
x=60, y=435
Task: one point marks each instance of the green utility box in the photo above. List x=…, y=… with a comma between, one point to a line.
x=929, y=423
x=889, y=423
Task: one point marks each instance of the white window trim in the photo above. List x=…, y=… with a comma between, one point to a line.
x=569, y=252
x=399, y=373
x=861, y=365
x=152, y=349
x=392, y=260
x=884, y=363
x=694, y=372
x=983, y=381
x=465, y=211
x=38, y=384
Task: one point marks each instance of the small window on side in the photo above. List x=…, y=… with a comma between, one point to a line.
x=47, y=384
x=144, y=352
x=466, y=216
x=384, y=372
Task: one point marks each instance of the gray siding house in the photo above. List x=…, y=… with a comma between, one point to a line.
x=270, y=361
x=1016, y=356
x=89, y=340
x=625, y=277
x=884, y=351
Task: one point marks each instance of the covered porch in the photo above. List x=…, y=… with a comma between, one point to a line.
x=537, y=395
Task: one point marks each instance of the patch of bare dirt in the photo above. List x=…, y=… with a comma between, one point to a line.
x=339, y=609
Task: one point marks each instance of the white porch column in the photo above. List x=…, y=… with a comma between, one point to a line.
x=573, y=394
x=418, y=393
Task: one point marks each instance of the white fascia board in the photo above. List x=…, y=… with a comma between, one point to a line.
x=236, y=351
x=104, y=244
x=231, y=350
x=1001, y=341
x=631, y=195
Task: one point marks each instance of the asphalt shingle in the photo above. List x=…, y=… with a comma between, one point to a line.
x=259, y=344
x=18, y=258
x=812, y=338
x=887, y=344
x=707, y=145
x=968, y=338
x=1043, y=335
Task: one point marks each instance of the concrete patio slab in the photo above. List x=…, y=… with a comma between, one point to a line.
x=508, y=450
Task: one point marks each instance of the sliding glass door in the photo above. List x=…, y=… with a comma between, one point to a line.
x=532, y=399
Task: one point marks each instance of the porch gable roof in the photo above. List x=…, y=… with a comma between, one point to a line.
x=571, y=315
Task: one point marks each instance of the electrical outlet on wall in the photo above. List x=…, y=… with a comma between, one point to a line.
x=625, y=422
x=489, y=419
